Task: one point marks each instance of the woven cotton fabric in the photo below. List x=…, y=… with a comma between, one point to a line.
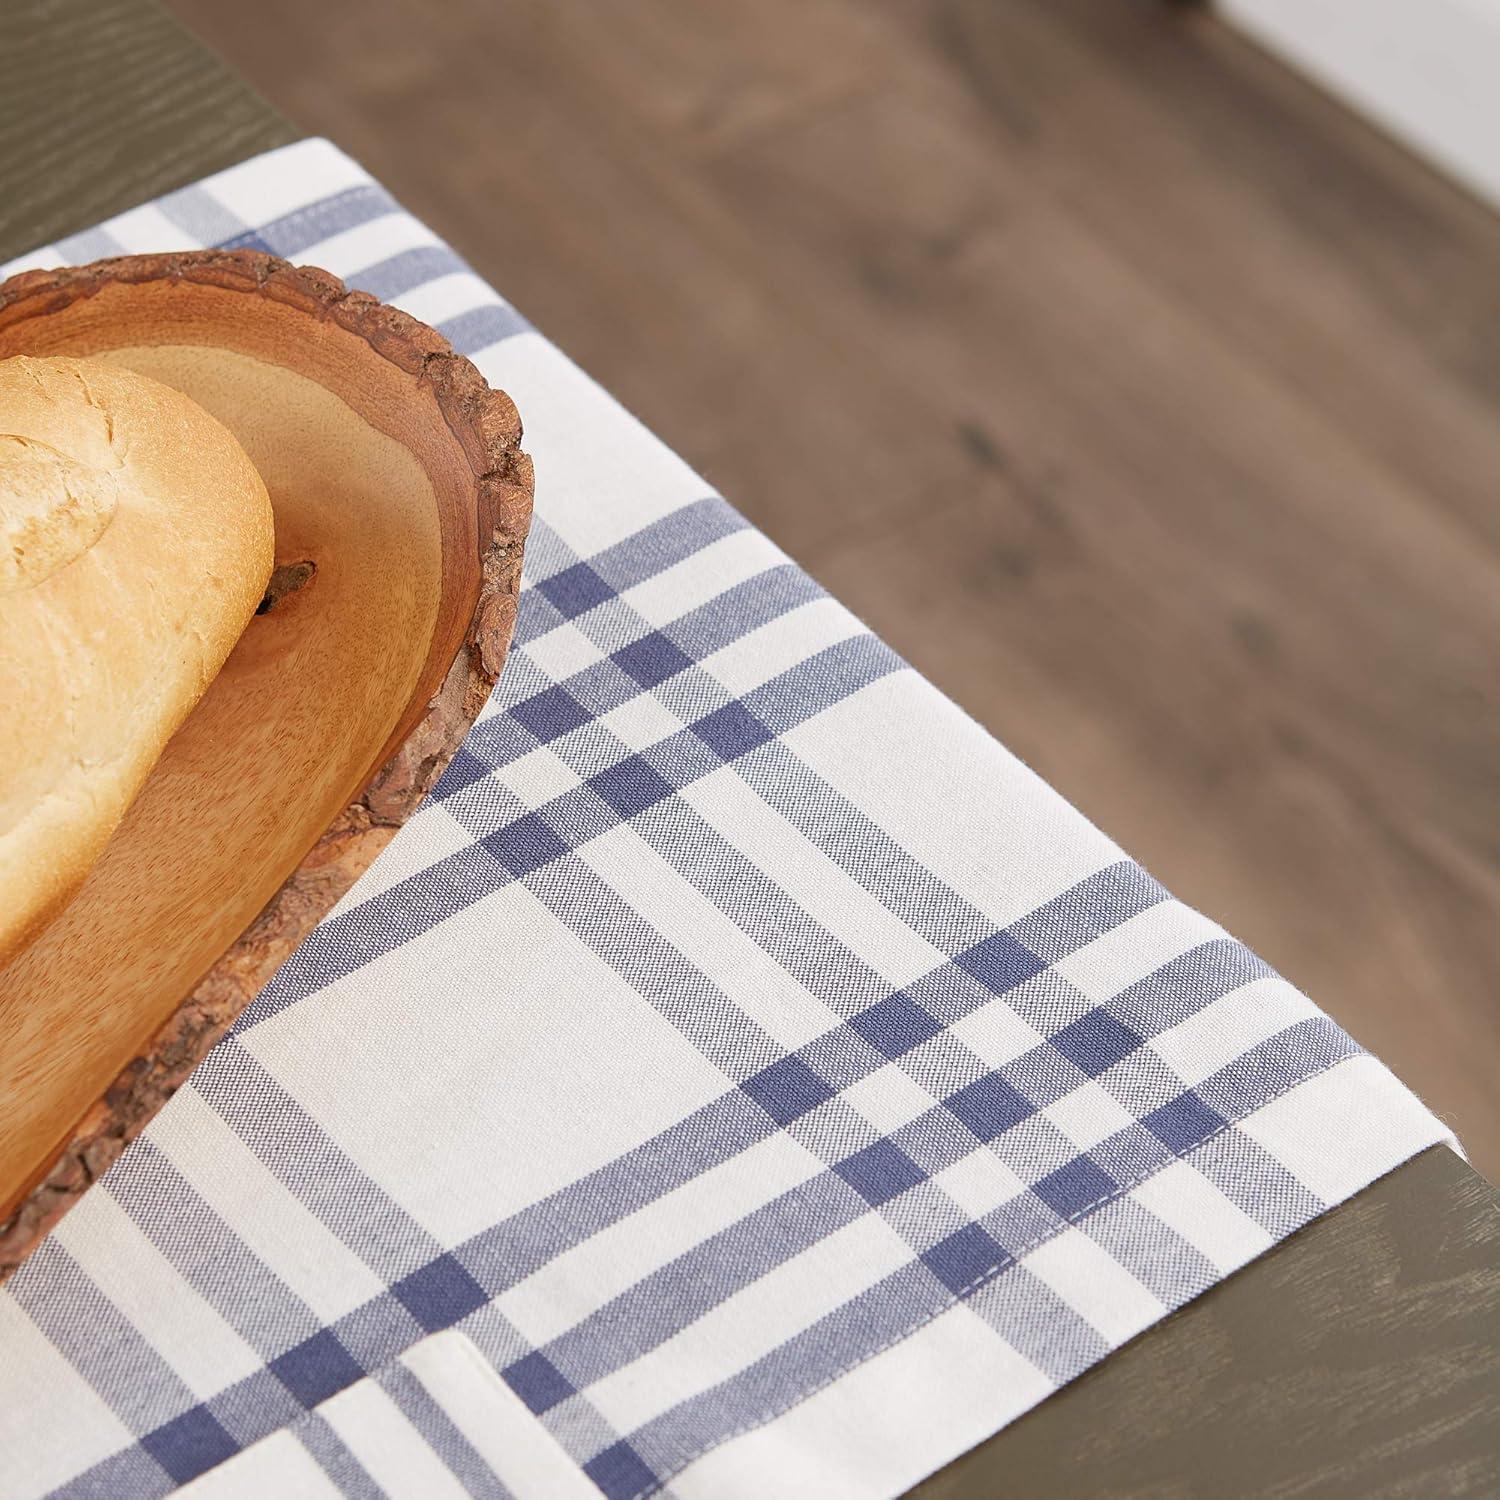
x=741, y=1077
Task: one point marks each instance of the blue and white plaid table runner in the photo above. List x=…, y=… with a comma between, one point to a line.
x=742, y=1078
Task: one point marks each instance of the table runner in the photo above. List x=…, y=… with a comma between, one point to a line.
x=742, y=1076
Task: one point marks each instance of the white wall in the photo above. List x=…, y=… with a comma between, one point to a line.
x=1427, y=70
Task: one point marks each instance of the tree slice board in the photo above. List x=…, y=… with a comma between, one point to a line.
x=401, y=501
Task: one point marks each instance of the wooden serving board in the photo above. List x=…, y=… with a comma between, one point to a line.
x=401, y=501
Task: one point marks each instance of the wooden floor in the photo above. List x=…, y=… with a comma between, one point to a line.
x=1143, y=399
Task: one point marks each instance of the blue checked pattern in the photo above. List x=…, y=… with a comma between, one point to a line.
x=737, y=1031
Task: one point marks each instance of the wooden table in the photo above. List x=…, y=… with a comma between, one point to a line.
x=1359, y=1358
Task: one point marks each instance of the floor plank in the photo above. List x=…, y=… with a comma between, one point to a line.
x=1143, y=398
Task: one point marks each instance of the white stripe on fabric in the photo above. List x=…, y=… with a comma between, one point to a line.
x=753, y=1322
x=146, y=225
x=278, y=1466
x=565, y=651
x=814, y=882
x=979, y=1184
x=997, y=1034
x=1088, y=1115
x=294, y=1243
x=1095, y=1285
x=694, y=581
x=194, y=1340
x=564, y=1292
x=53, y=1424
x=489, y=1414
x=782, y=644
x=1137, y=947
x=284, y=180
x=449, y=295
x=641, y=722
x=350, y=250
x=1325, y=1131
x=390, y=1449
x=607, y=475
x=563, y=1008
x=540, y=777
x=700, y=931
x=968, y=781
x=838, y=1447
x=1182, y=1198
x=427, y=837
x=1231, y=1025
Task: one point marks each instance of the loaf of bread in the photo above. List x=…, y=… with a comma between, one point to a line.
x=135, y=544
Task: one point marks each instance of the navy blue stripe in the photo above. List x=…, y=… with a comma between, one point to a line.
x=346, y=943
x=405, y=271
x=442, y=1434
x=902, y=1302
x=480, y=327
x=297, y=231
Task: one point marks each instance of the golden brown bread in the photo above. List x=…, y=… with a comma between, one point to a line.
x=135, y=544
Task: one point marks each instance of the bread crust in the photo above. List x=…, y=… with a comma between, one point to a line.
x=135, y=544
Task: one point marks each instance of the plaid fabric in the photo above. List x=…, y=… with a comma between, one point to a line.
x=741, y=1076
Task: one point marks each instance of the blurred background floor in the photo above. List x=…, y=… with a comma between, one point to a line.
x=1144, y=399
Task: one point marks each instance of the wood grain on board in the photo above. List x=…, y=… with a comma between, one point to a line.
x=1144, y=399
x=402, y=502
